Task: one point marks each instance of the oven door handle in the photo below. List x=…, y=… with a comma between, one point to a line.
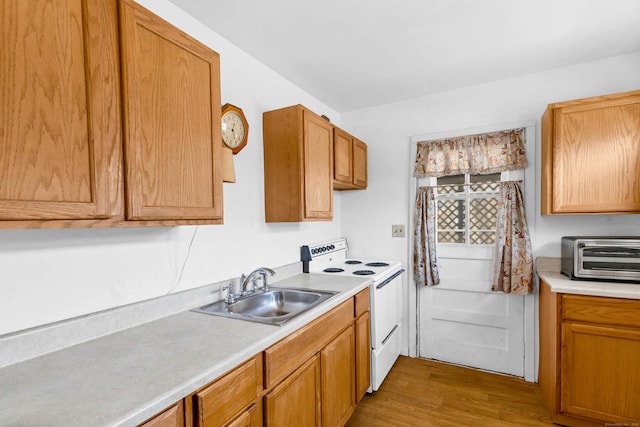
x=384, y=341
x=389, y=279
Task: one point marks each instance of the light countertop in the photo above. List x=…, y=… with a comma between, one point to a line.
x=126, y=377
x=549, y=270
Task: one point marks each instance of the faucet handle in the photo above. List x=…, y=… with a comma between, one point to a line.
x=230, y=298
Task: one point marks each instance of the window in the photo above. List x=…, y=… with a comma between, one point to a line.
x=467, y=207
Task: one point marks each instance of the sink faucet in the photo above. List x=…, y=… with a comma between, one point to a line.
x=263, y=272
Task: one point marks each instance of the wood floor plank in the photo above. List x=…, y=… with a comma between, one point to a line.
x=419, y=392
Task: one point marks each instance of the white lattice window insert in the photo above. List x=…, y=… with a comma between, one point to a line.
x=467, y=207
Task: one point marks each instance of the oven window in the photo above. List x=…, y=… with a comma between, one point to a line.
x=467, y=207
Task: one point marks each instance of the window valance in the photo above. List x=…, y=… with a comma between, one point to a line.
x=479, y=154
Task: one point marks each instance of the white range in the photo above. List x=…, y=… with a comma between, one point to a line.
x=330, y=257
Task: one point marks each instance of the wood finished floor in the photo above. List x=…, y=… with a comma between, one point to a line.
x=420, y=392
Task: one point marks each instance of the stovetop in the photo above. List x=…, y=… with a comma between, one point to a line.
x=331, y=258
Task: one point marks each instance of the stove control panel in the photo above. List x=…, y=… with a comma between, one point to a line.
x=326, y=248
x=318, y=250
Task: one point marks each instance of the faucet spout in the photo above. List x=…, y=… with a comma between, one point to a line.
x=253, y=277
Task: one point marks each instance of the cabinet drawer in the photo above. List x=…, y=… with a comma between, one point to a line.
x=362, y=302
x=220, y=401
x=285, y=356
x=606, y=311
x=171, y=417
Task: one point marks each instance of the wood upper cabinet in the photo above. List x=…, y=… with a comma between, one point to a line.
x=589, y=358
x=60, y=112
x=349, y=161
x=342, y=157
x=77, y=79
x=171, y=100
x=298, y=165
x=591, y=155
x=360, y=170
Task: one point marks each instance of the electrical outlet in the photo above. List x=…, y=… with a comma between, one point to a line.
x=397, y=230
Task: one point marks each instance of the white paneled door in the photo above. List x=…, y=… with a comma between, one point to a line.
x=462, y=321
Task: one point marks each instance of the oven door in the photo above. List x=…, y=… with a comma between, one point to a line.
x=386, y=307
x=383, y=358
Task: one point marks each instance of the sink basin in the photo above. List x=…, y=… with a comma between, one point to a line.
x=275, y=307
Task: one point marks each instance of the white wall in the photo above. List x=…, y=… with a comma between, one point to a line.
x=387, y=129
x=49, y=275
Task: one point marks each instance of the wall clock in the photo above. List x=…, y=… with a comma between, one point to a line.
x=235, y=128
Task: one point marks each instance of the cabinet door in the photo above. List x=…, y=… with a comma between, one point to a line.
x=600, y=377
x=171, y=99
x=60, y=113
x=342, y=157
x=359, y=163
x=296, y=401
x=591, y=155
x=318, y=167
x=363, y=355
x=338, y=379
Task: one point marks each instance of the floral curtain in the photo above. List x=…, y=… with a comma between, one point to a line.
x=513, y=272
x=473, y=154
x=425, y=258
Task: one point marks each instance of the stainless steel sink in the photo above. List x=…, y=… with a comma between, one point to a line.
x=275, y=307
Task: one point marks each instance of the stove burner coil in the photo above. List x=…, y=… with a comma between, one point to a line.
x=353, y=261
x=333, y=270
x=363, y=272
x=377, y=264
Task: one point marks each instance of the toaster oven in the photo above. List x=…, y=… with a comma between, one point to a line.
x=601, y=258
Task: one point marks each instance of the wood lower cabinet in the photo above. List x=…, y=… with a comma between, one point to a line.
x=230, y=400
x=296, y=401
x=363, y=355
x=315, y=370
x=312, y=377
x=171, y=100
x=298, y=165
x=589, y=358
x=171, y=417
x=338, y=379
x=349, y=161
x=362, y=328
x=591, y=155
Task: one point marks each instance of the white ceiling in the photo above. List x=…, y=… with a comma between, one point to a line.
x=354, y=54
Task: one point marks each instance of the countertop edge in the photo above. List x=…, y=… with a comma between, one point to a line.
x=548, y=269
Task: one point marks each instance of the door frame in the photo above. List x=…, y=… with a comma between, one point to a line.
x=530, y=178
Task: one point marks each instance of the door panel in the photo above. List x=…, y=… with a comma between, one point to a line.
x=462, y=321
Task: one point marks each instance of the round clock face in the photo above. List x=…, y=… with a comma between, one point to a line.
x=233, y=130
